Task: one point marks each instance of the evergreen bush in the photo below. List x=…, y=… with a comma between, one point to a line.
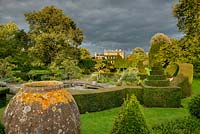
x=129, y=76
x=187, y=125
x=130, y=119
x=2, y=129
x=194, y=106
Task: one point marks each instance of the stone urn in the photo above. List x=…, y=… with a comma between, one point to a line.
x=43, y=107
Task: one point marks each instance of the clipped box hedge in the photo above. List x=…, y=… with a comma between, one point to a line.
x=162, y=96
x=3, y=92
x=137, y=91
x=183, y=82
x=184, y=79
x=102, y=99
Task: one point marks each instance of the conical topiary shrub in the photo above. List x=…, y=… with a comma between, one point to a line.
x=130, y=119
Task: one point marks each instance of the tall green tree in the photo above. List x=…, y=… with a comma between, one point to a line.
x=170, y=53
x=7, y=35
x=137, y=58
x=6, y=69
x=188, y=14
x=14, y=45
x=84, y=53
x=86, y=63
x=52, y=33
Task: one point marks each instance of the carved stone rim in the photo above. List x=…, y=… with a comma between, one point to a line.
x=42, y=86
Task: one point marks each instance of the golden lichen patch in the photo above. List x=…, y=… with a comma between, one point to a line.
x=45, y=98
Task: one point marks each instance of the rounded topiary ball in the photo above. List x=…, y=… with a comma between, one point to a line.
x=194, y=106
x=156, y=42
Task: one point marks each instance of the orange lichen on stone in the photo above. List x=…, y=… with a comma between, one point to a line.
x=45, y=98
x=42, y=84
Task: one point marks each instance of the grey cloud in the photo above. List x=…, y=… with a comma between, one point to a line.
x=107, y=24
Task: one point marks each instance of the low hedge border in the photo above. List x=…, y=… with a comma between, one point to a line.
x=3, y=92
x=162, y=96
x=102, y=99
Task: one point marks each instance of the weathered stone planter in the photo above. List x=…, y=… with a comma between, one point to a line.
x=42, y=108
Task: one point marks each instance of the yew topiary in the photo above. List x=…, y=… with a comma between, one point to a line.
x=156, y=42
x=130, y=119
x=194, y=106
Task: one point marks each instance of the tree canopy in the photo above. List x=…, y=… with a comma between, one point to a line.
x=52, y=33
x=188, y=14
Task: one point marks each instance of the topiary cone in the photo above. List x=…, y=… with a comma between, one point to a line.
x=42, y=108
x=130, y=119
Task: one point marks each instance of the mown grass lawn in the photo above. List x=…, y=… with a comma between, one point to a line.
x=101, y=122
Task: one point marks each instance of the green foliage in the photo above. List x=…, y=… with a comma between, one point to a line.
x=162, y=96
x=111, y=78
x=68, y=69
x=121, y=64
x=196, y=69
x=36, y=74
x=170, y=53
x=102, y=99
x=103, y=66
x=87, y=65
x=85, y=54
x=157, y=41
x=183, y=82
x=71, y=69
x=54, y=36
x=184, y=79
x=194, y=106
x=186, y=69
x=14, y=44
x=172, y=70
x=130, y=119
x=2, y=131
x=129, y=76
x=188, y=125
x=3, y=92
x=137, y=59
x=187, y=13
x=137, y=91
x=7, y=30
x=189, y=49
x=6, y=69
x=99, y=100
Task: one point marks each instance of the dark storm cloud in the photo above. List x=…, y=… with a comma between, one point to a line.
x=107, y=24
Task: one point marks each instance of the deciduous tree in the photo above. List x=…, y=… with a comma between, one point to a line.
x=52, y=32
x=188, y=14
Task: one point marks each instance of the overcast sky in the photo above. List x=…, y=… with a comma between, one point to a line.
x=107, y=24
